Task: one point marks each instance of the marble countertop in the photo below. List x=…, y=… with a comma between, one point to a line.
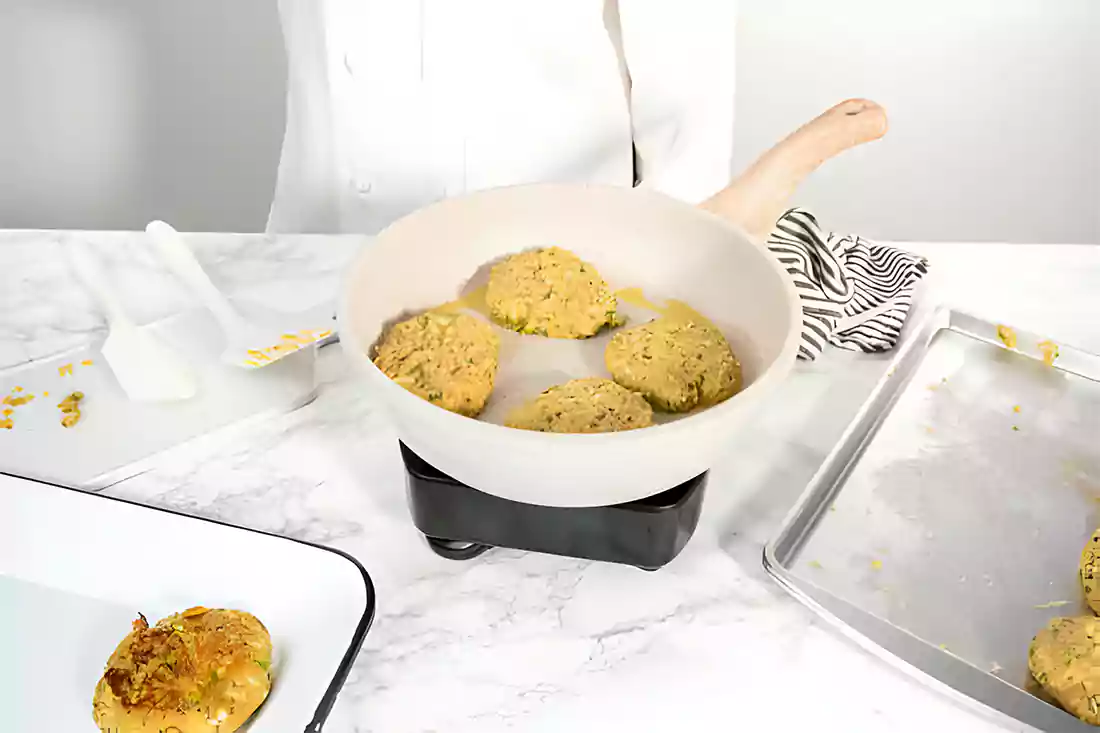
x=518, y=641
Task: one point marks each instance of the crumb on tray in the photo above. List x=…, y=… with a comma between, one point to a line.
x=1050, y=352
x=70, y=409
x=1007, y=336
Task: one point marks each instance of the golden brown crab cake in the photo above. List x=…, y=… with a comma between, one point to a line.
x=591, y=405
x=550, y=292
x=200, y=670
x=677, y=363
x=448, y=359
x=1064, y=659
x=1090, y=571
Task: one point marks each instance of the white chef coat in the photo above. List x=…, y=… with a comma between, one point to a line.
x=393, y=104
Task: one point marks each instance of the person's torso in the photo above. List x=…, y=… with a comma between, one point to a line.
x=394, y=105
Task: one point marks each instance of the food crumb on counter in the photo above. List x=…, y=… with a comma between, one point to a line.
x=86, y=362
x=16, y=389
x=1016, y=428
x=1052, y=604
x=876, y=564
x=6, y=423
x=1007, y=336
x=1015, y=408
x=815, y=565
x=65, y=370
x=996, y=668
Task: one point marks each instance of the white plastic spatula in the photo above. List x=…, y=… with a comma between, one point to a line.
x=250, y=343
x=146, y=369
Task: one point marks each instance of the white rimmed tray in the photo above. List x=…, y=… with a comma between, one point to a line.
x=77, y=568
x=117, y=438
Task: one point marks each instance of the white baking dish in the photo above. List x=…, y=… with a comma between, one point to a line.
x=77, y=568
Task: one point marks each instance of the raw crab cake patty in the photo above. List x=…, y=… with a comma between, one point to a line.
x=448, y=359
x=591, y=405
x=678, y=364
x=1090, y=571
x=1064, y=659
x=550, y=292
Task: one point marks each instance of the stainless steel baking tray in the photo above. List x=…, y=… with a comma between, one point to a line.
x=947, y=524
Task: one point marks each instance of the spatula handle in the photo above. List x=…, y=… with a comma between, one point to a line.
x=181, y=260
x=91, y=274
x=759, y=196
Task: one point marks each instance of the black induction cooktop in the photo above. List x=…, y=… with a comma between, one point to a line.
x=461, y=522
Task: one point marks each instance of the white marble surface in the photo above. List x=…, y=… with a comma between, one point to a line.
x=516, y=641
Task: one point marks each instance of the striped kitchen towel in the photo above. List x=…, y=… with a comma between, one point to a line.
x=855, y=293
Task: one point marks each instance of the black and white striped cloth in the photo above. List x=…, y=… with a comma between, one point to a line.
x=855, y=293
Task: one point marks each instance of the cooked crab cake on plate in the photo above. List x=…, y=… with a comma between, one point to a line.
x=1064, y=659
x=550, y=292
x=677, y=363
x=448, y=359
x=205, y=669
x=591, y=405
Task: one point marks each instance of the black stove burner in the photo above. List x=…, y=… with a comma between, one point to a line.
x=461, y=522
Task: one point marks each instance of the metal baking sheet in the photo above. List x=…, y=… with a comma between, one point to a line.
x=947, y=524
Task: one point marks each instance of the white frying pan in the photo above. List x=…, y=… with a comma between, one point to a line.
x=711, y=257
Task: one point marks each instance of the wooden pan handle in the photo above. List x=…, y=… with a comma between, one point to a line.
x=758, y=197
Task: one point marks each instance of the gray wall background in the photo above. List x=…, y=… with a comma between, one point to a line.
x=113, y=112
x=994, y=109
